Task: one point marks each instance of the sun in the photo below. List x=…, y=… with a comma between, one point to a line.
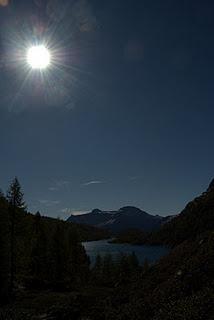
x=38, y=57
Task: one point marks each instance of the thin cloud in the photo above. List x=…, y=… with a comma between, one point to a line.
x=58, y=184
x=134, y=178
x=49, y=203
x=74, y=212
x=62, y=183
x=53, y=189
x=88, y=183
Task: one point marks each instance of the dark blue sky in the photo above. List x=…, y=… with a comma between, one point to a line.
x=124, y=117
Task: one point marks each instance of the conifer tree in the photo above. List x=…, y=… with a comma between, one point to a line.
x=97, y=270
x=1, y=194
x=15, y=200
x=38, y=258
x=58, y=258
x=145, y=266
x=78, y=262
x=4, y=252
x=108, y=269
x=133, y=261
x=98, y=264
x=124, y=270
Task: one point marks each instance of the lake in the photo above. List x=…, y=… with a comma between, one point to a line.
x=103, y=247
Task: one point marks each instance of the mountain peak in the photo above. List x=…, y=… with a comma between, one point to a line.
x=125, y=218
x=130, y=210
x=211, y=186
x=96, y=211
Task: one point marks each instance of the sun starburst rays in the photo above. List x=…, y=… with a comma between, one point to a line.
x=54, y=80
x=38, y=57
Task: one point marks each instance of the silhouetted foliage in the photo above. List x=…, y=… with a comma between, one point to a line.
x=4, y=250
x=15, y=200
x=38, y=266
x=196, y=218
x=50, y=256
x=2, y=194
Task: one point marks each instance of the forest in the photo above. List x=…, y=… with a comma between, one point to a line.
x=46, y=274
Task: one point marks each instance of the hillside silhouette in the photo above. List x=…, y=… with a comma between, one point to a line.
x=53, y=278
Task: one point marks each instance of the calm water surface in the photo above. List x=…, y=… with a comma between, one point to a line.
x=103, y=247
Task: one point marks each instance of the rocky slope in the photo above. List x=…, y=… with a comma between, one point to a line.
x=196, y=218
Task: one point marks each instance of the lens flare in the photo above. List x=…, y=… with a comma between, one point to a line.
x=4, y=3
x=38, y=57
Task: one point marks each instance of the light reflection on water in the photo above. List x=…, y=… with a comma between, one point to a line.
x=103, y=247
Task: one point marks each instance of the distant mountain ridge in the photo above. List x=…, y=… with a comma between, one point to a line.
x=119, y=220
